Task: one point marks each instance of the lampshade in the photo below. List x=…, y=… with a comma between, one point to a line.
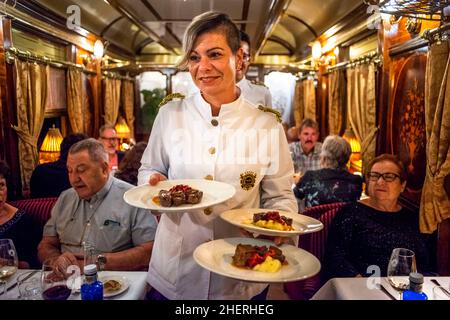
x=350, y=136
x=51, y=146
x=122, y=129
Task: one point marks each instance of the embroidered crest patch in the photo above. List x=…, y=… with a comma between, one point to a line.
x=248, y=179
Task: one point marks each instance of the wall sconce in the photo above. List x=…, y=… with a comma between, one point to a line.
x=316, y=50
x=355, y=162
x=123, y=133
x=51, y=146
x=98, y=49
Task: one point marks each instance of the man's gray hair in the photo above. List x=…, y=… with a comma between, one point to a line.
x=309, y=123
x=105, y=127
x=335, y=152
x=94, y=148
x=207, y=22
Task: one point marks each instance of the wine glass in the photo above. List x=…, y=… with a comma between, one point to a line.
x=54, y=283
x=9, y=262
x=401, y=264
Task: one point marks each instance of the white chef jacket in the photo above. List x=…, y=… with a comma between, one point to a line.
x=256, y=94
x=180, y=147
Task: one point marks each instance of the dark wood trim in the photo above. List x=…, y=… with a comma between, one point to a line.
x=9, y=149
x=36, y=10
x=283, y=43
x=443, y=248
x=275, y=12
x=408, y=46
x=158, y=16
x=105, y=29
x=133, y=43
x=361, y=36
x=142, y=45
x=304, y=23
x=245, y=9
x=19, y=25
x=122, y=10
x=350, y=20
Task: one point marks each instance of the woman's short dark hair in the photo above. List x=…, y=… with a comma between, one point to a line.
x=5, y=172
x=391, y=158
x=207, y=22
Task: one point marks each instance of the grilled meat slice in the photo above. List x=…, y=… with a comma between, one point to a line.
x=193, y=196
x=165, y=198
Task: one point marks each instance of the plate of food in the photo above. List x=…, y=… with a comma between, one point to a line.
x=272, y=222
x=256, y=260
x=114, y=285
x=179, y=195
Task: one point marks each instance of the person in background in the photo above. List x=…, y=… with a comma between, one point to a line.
x=18, y=226
x=292, y=134
x=184, y=144
x=332, y=183
x=108, y=137
x=256, y=93
x=364, y=233
x=130, y=164
x=50, y=179
x=306, y=153
x=93, y=211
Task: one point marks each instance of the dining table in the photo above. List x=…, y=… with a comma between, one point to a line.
x=135, y=281
x=375, y=288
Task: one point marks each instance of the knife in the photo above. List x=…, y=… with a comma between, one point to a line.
x=442, y=287
x=27, y=277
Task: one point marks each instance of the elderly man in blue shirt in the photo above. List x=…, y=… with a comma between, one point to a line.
x=93, y=211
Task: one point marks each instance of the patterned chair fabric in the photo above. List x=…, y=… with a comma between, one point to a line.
x=39, y=209
x=315, y=243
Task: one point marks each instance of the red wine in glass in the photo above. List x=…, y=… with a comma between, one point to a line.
x=58, y=292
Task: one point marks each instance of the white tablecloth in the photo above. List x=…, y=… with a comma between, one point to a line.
x=367, y=289
x=135, y=291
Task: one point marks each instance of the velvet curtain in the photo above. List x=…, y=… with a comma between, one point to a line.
x=31, y=92
x=361, y=108
x=337, y=108
x=435, y=205
x=128, y=104
x=298, y=103
x=75, y=100
x=111, y=100
x=309, y=99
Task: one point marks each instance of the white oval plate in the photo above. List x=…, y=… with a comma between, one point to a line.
x=216, y=256
x=214, y=192
x=302, y=224
x=124, y=285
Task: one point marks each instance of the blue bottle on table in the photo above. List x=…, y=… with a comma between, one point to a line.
x=415, y=288
x=92, y=288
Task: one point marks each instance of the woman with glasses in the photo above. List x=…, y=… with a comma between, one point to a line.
x=364, y=234
x=18, y=226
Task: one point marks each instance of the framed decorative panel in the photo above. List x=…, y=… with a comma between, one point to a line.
x=407, y=118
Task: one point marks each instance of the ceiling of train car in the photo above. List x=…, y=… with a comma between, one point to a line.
x=156, y=27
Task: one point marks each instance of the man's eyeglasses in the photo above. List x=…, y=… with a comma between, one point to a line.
x=247, y=57
x=387, y=176
x=110, y=139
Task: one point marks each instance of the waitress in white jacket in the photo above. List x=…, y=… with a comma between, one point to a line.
x=214, y=134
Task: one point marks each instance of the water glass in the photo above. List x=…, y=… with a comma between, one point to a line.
x=401, y=264
x=29, y=286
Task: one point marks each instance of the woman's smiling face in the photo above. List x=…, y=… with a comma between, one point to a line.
x=212, y=64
